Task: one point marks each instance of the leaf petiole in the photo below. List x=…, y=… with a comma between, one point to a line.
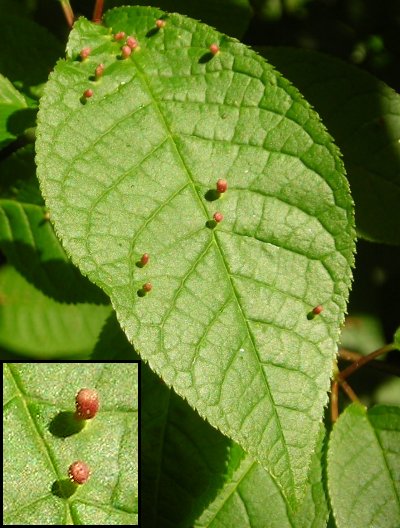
x=68, y=12
x=98, y=11
x=363, y=360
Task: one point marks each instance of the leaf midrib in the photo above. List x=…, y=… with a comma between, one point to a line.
x=143, y=79
x=36, y=433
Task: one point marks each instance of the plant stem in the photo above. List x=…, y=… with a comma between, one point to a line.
x=69, y=14
x=363, y=360
x=98, y=11
x=334, y=401
x=349, y=355
x=348, y=390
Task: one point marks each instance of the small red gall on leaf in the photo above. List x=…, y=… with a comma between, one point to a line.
x=218, y=217
x=147, y=287
x=314, y=312
x=222, y=185
x=132, y=43
x=79, y=472
x=88, y=93
x=120, y=35
x=87, y=404
x=160, y=23
x=85, y=52
x=126, y=51
x=214, y=48
x=144, y=259
x=98, y=72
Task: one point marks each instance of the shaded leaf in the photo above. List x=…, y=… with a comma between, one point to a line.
x=112, y=342
x=252, y=498
x=397, y=338
x=362, y=333
x=194, y=476
x=35, y=319
x=12, y=103
x=35, y=325
x=18, y=177
x=363, y=115
x=30, y=245
x=363, y=467
x=28, y=54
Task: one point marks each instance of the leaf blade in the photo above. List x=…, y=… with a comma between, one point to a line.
x=176, y=120
x=363, y=461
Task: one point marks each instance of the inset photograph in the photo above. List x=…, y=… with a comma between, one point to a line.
x=70, y=443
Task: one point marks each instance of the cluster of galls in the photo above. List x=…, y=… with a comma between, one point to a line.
x=86, y=407
x=126, y=50
x=222, y=185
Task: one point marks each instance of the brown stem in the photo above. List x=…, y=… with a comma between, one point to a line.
x=349, y=355
x=68, y=13
x=347, y=389
x=334, y=401
x=363, y=360
x=98, y=11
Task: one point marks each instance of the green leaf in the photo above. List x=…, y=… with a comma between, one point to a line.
x=35, y=325
x=251, y=491
x=363, y=467
x=47, y=309
x=184, y=461
x=363, y=115
x=28, y=54
x=133, y=170
x=18, y=177
x=112, y=342
x=30, y=245
x=41, y=439
x=396, y=340
x=194, y=476
x=12, y=112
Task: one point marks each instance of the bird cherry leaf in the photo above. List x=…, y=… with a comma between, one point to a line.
x=134, y=171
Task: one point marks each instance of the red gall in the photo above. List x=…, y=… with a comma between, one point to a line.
x=131, y=42
x=222, y=185
x=79, y=472
x=214, y=48
x=317, y=310
x=86, y=404
x=144, y=259
x=98, y=72
x=85, y=52
x=126, y=51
